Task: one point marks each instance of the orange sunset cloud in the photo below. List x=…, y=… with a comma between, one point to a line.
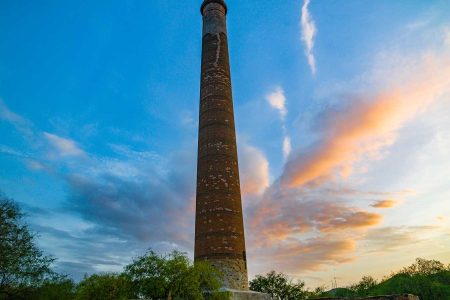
x=281, y=215
x=385, y=204
x=362, y=128
x=304, y=220
x=310, y=254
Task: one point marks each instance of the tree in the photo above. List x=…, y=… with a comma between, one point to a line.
x=57, y=288
x=424, y=267
x=279, y=286
x=172, y=277
x=428, y=279
x=363, y=287
x=104, y=287
x=23, y=266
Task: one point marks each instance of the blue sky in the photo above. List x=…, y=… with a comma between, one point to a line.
x=342, y=161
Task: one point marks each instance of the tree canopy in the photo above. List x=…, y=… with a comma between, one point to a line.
x=108, y=286
x=428, y=279
x=23, y=266
x=279, y=286
x=172, y=276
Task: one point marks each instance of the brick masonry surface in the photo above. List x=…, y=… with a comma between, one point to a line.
x=219, y=229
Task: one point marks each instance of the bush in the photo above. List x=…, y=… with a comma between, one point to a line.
x=104, y=287
x=59, y=288
x=172, y=277
x=279, y=286
x=428, y=279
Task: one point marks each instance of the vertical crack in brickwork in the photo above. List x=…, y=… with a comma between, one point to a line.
x=219, y=228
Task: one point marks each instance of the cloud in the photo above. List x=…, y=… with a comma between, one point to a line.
x=9, y=151
x=309, y=255
x=135, y=200
x=10, y=116
x=307, y=207
x=63, y=146
x=115, y=209
x=282, y=214
x=387, y=239
x=287, y=147
x=364, y=125
x=30, y=162
x=20, y=123
x=308, y=33
x=385, y=204
x=440, y=218
x=35, y=165
x=277, y=100
x=300, y=231
x=127, y=200
x=91, y=251
x=132, y=209
x=187, y=119
x=254, y=170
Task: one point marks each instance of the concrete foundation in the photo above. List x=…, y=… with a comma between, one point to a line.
x=248, y=295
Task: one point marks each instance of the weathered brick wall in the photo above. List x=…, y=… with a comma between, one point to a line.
x=219, y=229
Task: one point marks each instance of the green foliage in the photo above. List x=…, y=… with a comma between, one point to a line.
x=364, y=286
x=210, y=280
x=428, y=279
x=58, y=288
x=424, y=267
x=104, y=287
x=23, y=267
x=279, y=286
x=335, y=293
x=172, y=277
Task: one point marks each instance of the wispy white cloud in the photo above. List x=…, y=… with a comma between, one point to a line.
x=277, y=100
x=63, y=146
x=9, y=151
x=287, y=147
x=20, y=123
x=188, y=119
x=35, y=165
x=8, y=115
x=308, y=33
x=387, y=239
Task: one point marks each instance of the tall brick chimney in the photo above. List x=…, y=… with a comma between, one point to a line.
x=219, y=228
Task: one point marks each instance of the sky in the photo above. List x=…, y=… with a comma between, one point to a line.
x=342, y=126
